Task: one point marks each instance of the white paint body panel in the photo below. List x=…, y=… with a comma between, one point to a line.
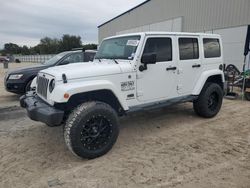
x=150, y=86
x=201, y=81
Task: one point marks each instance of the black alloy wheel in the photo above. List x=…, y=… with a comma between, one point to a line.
x=213, y=101
x=96, y=132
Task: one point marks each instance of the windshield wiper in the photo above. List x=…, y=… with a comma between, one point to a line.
x=99, y=59
x=115, y=61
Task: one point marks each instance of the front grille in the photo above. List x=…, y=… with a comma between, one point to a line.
x=42, y=86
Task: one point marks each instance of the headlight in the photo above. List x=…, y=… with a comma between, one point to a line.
x=52, y=85
x=15, y=76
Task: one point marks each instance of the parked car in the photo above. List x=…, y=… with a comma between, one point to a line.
x=130, y=73
x=4, y=59
x=18, y=81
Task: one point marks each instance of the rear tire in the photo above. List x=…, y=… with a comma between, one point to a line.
x=91, y=129
x=209, y=101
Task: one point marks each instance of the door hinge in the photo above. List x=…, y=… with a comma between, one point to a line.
x=179, y=87
x=179, y=71
x=139, y=93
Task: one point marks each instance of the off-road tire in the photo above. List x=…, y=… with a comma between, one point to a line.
x=81, y=119
x=209, y=101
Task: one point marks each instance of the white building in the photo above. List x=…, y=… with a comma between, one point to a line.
x=229, y=18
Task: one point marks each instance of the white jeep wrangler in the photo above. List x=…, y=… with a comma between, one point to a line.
x=130, y=72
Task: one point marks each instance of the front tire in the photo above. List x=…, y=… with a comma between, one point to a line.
x=209, y=101
x=91, y=129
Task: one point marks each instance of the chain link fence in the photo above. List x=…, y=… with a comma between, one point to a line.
x=33, y=58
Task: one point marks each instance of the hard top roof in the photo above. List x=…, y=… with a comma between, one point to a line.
x=166, y=33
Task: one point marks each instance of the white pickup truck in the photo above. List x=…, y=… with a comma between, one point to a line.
x=130, y=72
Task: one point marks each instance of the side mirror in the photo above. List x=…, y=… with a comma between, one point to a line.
x=64, y=63
x=147, y=59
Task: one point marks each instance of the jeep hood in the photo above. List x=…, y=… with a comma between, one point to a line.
x=90, y=69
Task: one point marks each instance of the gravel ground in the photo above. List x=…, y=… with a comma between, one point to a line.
x=169, y=147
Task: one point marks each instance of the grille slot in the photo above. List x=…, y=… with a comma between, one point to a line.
x=42, y=86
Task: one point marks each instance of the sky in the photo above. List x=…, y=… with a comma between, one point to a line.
x=25, y=22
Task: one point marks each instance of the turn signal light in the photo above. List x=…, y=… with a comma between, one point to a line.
x=66, y=96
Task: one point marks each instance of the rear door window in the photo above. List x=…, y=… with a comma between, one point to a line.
x=211, y=48
x=189, y=48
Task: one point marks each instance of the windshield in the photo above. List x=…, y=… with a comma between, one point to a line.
x=118, y=48
x=55, y=59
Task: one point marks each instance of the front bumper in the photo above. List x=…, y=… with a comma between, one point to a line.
x=38, y=110
x=14, y=86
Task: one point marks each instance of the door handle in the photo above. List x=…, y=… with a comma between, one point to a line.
x=171, y=68
x=196, y=66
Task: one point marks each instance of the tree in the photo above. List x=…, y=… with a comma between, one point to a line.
x=90, y=46
x=35, y=50
x=49, y=46
x=11, y=48
x=68, y=42
x=25, y=50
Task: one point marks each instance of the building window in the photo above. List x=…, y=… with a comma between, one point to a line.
x=162, y=47
x=211, y=48
x=189, y=48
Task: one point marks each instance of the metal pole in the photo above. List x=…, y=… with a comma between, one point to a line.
x=244, y=78
x=248, y=67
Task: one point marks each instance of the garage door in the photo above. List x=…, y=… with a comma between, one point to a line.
x=167, y=25
x=233, y=44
